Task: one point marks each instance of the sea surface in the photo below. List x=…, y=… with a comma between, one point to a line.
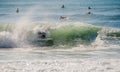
x=103, y=12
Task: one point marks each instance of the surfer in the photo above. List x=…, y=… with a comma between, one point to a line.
x=17, y=11
x=41, y=35
x=63, y=17
x=63, y=6
x=89, y=7
x=89, y=13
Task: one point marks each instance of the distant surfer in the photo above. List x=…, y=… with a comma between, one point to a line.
x=89, y=7
x=17, y=11
x=63, y=17
x=89, y=13
x=63, y=6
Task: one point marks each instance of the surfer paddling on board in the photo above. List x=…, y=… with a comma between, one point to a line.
x=63, y=17
x=17, y=11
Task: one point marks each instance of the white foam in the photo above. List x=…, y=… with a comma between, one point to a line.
x=62, y=65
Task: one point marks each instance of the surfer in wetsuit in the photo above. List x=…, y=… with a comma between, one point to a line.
x=63, y=6
x=89, y=7
x=63, y=17
x=89, y=13
x=17, y=11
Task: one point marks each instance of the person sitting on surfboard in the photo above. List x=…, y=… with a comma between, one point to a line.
x=63, y=6
x=17, y=11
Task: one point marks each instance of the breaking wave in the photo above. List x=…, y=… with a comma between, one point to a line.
x=66, y=33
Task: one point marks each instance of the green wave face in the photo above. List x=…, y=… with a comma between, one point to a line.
x=74, y=35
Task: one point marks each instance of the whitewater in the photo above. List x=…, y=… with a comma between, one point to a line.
x=79, y=43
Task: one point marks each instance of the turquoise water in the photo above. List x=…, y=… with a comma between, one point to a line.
x=103, y=13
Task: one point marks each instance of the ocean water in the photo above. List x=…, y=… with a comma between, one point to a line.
x=82, y=42
x=103, y=13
